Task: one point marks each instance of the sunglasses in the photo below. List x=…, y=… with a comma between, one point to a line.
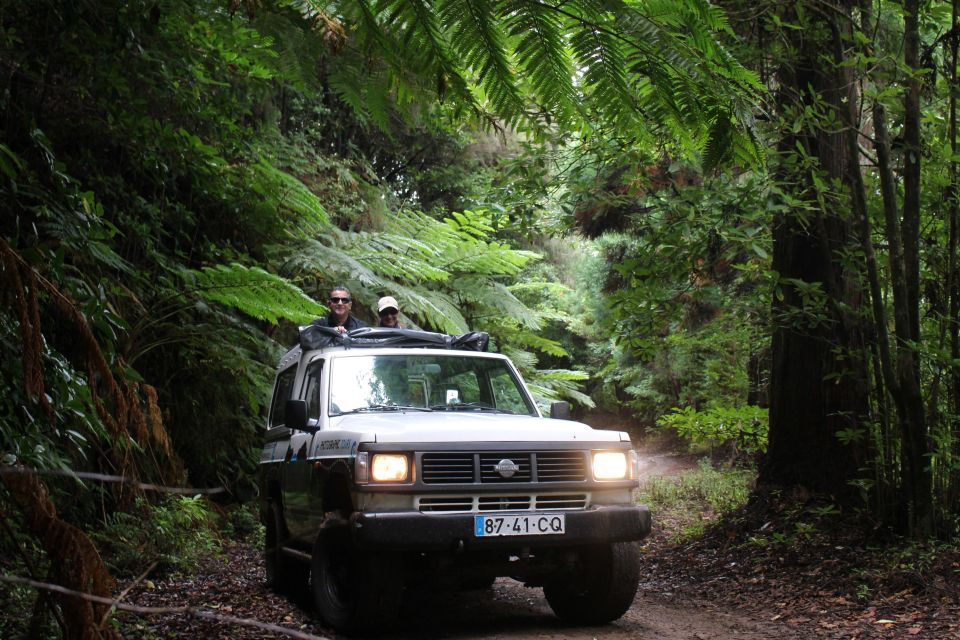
x=340, y=300
x=388, y=312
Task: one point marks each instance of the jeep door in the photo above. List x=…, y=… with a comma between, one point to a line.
x=298, y=467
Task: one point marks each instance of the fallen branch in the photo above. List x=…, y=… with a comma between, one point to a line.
x=185, y=610
x=103, y=477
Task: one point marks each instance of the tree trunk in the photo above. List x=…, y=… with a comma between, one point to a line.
x=953, y=277
x=819, y=380
x=917, y=477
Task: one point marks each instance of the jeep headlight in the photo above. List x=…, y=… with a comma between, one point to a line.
x=389, y=467
x=610, y=465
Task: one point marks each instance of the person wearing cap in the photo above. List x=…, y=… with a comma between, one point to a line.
x=340, y=302
x=389, y=312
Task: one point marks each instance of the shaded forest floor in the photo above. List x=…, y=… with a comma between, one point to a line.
x=776, y=559
x=783, y=565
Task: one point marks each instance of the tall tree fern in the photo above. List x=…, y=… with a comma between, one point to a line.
x=655, y=70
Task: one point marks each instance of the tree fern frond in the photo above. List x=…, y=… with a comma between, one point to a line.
x=540, y=51
x=473, y=26
x=386, y=254
x=418, y=225
x=295, y=49
x=718, y=142
x=599, y=54
x=538, y=342
x=554, y=384
x=563, y=374
x=333, y=265
x=349, y=83
x=283, y=191
x=473, y=223
x=434, y=310
x=525, y=361
x=486, y=258
x=425, y=42
x=495, y=298
x=255, y=292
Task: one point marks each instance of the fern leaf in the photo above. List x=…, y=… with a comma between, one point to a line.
x=538, y=342
x=255, y=292
x=473, y=26
x=494, y=298
x=554, y=384
x=283, y=191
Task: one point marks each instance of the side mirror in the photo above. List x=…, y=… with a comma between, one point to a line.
x=560, y=410
x=295, y=415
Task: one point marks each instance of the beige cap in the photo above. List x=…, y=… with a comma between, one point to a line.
x=387, y=302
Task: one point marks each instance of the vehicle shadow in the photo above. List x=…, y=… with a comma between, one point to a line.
x=505, y=610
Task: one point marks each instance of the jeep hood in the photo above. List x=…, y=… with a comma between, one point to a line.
x=467, y=426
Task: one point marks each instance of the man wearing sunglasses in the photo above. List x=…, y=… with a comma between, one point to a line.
x=340, y=303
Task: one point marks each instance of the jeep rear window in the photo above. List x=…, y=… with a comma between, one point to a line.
x=425, y=382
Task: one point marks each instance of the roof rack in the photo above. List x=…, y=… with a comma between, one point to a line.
x=316, y=337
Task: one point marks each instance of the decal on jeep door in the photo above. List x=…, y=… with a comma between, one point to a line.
x=334, y=447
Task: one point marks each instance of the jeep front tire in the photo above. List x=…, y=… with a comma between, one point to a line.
x=355, y=591
x=602, y=590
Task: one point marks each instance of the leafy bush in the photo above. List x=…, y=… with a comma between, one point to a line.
x=243, y=523
x=176, y=533
x=742, y=430
x=689, y=501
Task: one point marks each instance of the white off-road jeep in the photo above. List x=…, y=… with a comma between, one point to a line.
x=395, y=458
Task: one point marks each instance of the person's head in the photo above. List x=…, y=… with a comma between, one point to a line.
x=389, y=312
x=340, y=303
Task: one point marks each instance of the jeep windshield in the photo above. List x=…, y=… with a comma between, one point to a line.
x=417, y=382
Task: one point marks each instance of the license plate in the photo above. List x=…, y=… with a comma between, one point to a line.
x=519, y=525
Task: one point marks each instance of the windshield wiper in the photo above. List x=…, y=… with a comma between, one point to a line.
x=382, y=407
x=469, y=406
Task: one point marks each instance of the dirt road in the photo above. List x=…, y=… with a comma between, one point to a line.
x=510, y=611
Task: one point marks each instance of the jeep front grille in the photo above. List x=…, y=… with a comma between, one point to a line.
x=486, y=467
x=446, y=468
x=467, y=504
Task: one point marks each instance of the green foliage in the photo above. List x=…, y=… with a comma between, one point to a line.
x=744, y=429
x=677, y=306
x=647, y=69
x=176, y=533
x=802, y=532
x=255, y=292
x=28, y=435
x=283, y=191
x=242, y=522
x=559, y=384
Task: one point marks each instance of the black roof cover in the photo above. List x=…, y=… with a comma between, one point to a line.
x=314, y=337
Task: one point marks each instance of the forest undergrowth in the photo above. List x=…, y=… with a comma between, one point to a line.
x=792, y=556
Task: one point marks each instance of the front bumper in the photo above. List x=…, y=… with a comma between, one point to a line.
x=415, y=531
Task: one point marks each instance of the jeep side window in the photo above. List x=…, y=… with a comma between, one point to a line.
x=312, y=396
x=281, y=393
